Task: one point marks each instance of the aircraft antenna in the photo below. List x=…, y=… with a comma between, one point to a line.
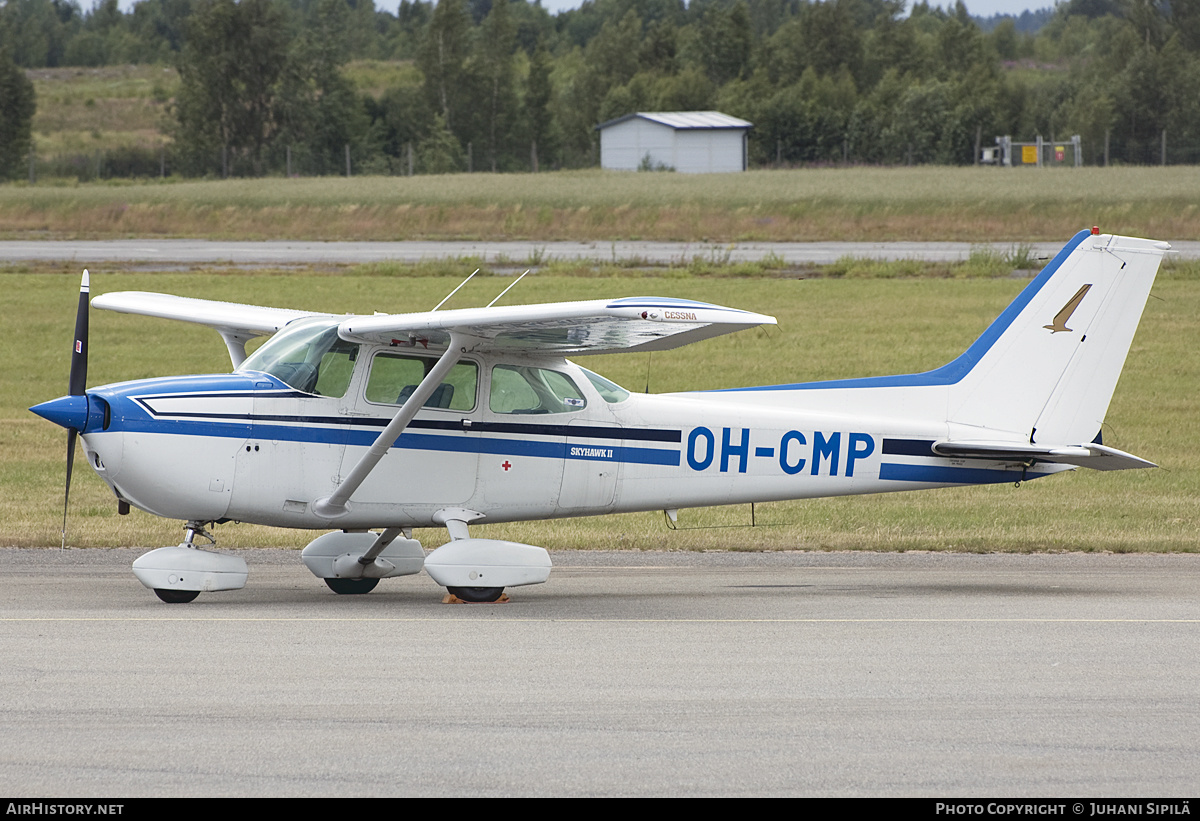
x=455, y=291
x=649, y=357
x=509, y=288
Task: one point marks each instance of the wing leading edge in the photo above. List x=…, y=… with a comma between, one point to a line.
x=236, y=323
x=562, y=328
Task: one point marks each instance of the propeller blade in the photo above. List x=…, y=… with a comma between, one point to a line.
x=76, y=386
x=78, y=382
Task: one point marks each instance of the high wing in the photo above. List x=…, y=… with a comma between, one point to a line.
x=562, y=328
x=236, y=323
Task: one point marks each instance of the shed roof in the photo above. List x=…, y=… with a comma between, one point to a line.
x=683, y=120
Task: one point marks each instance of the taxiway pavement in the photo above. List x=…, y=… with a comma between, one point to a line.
x=627, y=674
x=515, y=253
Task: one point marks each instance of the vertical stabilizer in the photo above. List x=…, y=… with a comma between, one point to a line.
x=1047, y=368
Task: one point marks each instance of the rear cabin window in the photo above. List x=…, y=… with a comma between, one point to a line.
x=519, y=389
x=394, y=377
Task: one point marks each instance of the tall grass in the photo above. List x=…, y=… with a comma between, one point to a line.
x=927, y=203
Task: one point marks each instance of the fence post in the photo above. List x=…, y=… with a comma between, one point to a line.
x=410, y=159
x=32, y=167
x=1107, y=134
x=347, y=159
x=1164, y=147
x=289, y=162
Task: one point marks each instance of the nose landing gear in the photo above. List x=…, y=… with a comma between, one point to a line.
x=179, y=574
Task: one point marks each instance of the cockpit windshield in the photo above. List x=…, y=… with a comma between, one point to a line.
x=609, y=391
x=308, y=355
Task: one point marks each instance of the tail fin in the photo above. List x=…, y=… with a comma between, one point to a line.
x=1046, y=368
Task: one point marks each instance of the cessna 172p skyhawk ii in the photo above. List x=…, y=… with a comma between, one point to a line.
x=370, y=426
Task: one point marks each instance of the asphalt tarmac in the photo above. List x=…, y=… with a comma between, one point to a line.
x=918, y=674
x=518, y=254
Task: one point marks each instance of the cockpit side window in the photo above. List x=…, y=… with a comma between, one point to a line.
x=522, y=389
x=335, y=369
x=309, y=356
x=395, y=376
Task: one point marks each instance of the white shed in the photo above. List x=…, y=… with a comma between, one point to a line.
x=694, y=142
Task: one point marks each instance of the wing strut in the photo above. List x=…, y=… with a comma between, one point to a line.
x=335, y=505
x=236, y=341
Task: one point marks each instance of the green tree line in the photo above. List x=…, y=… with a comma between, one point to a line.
x=503, y=85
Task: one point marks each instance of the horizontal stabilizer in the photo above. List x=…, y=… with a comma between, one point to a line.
x=1097, y=457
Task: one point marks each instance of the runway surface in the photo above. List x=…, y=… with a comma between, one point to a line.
x=936, y=675
x=518, y=254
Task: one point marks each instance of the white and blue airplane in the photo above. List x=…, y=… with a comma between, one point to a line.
x=370, y=426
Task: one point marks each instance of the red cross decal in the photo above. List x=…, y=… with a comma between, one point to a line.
x=505, y=465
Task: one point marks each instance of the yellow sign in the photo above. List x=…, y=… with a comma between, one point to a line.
x=1029, y=154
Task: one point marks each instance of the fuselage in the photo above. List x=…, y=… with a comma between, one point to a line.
x=513, y=438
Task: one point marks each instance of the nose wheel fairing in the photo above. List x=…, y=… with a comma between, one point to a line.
x=186, y=568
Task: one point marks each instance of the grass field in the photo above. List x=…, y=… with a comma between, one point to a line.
x=1018, y=205
x=896, y=325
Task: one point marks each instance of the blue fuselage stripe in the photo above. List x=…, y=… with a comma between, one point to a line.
x=543, y=449
x=409, y=440
x=889, y=471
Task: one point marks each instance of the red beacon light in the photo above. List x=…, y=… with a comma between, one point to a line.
x=1095, y=230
